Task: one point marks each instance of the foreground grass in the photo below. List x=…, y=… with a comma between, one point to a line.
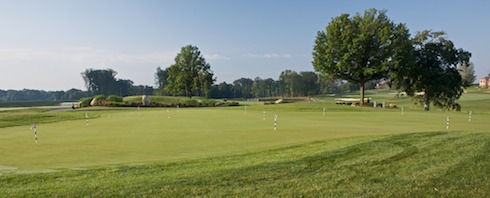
x=453, y=164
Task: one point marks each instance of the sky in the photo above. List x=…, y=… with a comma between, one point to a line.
x=47, y=44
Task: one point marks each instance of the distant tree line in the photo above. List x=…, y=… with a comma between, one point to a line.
x=190, y=75
x=104, y=82
x=289, y=84
x=32, y=95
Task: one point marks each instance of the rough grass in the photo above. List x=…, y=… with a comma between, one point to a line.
x=446, y=164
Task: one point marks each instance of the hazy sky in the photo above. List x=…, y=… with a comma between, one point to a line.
x=47, y=44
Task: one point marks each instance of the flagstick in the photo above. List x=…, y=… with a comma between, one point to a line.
x=86, y=118
x=33, y=127
x=447, y=122
x=275, y=122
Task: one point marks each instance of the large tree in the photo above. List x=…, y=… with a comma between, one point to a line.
x=361, y=48
x=190, y=74
x=435, y=74
x=99, y=81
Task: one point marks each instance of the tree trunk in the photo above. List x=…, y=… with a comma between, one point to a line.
x=426, y=101
x=361, y=90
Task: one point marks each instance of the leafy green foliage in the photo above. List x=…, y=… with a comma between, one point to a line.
x=85, y=102
x=100, y=81
x=104, y=82
x=361, y=48
x=114, y=98
x=161, y=79
x=435, y=71
x=190, y=74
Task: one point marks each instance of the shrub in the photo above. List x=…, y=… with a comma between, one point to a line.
x=190, y=103
x=227, y=104
x=208, y=103
x=85, y=102
x=114, y=98
x=100, y=97
x=116, y=104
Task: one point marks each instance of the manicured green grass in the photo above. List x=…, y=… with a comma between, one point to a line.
x=19, y=117
x=233, y=151
x=446, y=164
x=148, y=136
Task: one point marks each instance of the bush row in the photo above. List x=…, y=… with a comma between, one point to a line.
x=188, y=103
x=116, y=101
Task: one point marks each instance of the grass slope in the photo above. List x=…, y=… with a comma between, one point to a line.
x=447, y=164
x=20, y=117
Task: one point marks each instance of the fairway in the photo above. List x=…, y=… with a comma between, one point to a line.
x=156, y=135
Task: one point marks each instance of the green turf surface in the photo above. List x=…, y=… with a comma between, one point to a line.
x=150, y=135
x=430, y=164
x=233, y=151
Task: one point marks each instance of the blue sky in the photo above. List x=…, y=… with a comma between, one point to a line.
x=48, y=44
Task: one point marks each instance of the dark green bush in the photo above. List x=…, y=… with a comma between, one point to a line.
x=100, y=97
x=208, y=103
x=116, y=104
x=190, y=103
x=85, y=102
x=114, y=98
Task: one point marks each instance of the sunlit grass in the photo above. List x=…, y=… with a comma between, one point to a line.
x=234, y=151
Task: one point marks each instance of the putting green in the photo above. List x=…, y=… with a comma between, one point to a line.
x=132, y=137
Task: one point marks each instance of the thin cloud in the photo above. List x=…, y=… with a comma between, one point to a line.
x=215, y=57
x=269, y=55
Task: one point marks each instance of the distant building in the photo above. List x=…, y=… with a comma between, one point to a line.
x=485, y=82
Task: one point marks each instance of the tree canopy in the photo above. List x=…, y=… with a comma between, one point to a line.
x=104, y=82
x=190, y=74
x=435, y=71
x=100, y=81
x=361, y=48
